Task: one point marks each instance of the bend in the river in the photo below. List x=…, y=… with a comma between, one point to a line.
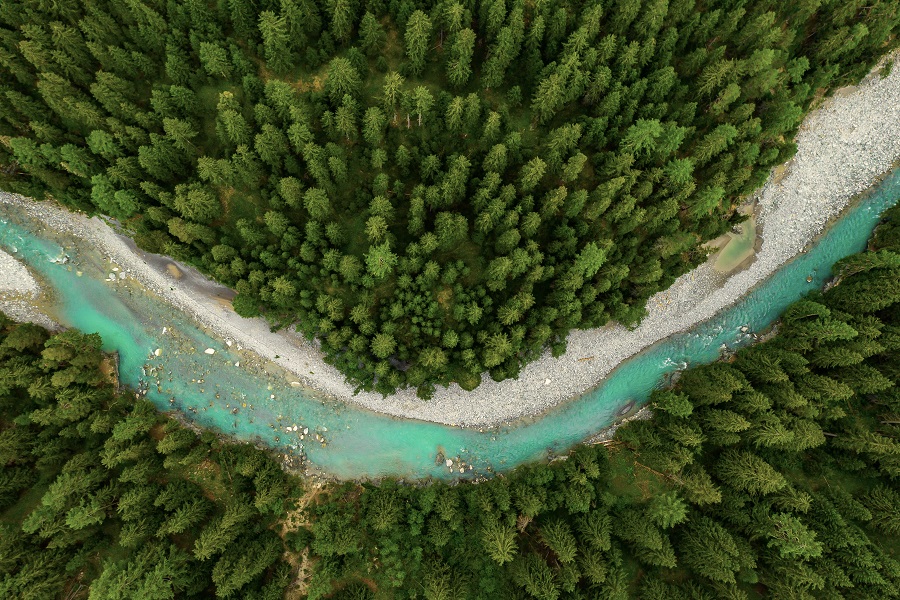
x=839, y=155
x=348, y=441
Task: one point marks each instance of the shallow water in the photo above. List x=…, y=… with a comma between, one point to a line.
x=738, y=249
x=361, y=443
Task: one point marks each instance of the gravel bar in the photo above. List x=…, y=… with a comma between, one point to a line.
x=843, y=147
x=15, y=279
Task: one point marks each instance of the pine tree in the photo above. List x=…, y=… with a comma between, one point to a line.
x=276, y=42
x=454, y=115
x=423, y=102
x=673, y=403
x=667, y=510
x=371, y=33
x=531, y=174
x=882, y=501
x=459, y=67
x=242, y=563
x=746, y=471
x=197, y=203
x=380, y=261
x=500, y=541
x=536, y=577
x=302, y=15
x=214, y=59
x=271, y=145
x=243, y=17
x=417, y=38
x=345, y=120
x=558, y=537
x=343, y=18
x=343, y=79
x=792, y=538
x=502, y=53
x=710, y=550
x=221, y=532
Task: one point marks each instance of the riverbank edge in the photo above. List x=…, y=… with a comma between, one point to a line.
x=592, y=355
x=23, y=296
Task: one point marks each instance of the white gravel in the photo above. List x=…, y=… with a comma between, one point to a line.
x=843, y=148
x=18, y=291
x=15, y=280
x=23, y=311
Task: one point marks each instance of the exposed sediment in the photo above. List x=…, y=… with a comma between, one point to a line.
x=843, y=147
x=18, y=292
x=15, y=280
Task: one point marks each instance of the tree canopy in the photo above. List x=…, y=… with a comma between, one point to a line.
x=102, y=497
x=424, y=172
x=771, y=474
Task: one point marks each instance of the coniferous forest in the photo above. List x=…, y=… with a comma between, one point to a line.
x=773, y=474
x=101, y=497
x=435, y=190
x=431, y=189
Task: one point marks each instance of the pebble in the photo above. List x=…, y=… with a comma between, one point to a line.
x=15, y=277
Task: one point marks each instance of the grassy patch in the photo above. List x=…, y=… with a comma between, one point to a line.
x=631, y=479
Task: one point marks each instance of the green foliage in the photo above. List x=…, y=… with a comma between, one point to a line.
x=771, y=475
x=86, y=504
x=557, y=162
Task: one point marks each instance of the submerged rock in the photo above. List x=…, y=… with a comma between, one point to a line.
x=626, y=408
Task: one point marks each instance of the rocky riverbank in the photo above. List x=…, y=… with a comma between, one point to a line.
x=844, y=147
x=15, y=280
x=19, y=292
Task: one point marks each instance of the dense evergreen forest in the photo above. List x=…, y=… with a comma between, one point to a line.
x=103, y=498
x=432, y=189
x=774, y=474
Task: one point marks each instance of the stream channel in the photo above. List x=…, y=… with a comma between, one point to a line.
x=347, y=441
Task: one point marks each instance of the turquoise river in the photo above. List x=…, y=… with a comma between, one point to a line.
x=260, y=406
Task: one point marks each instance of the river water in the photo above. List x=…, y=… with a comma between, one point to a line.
x=347, y=441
